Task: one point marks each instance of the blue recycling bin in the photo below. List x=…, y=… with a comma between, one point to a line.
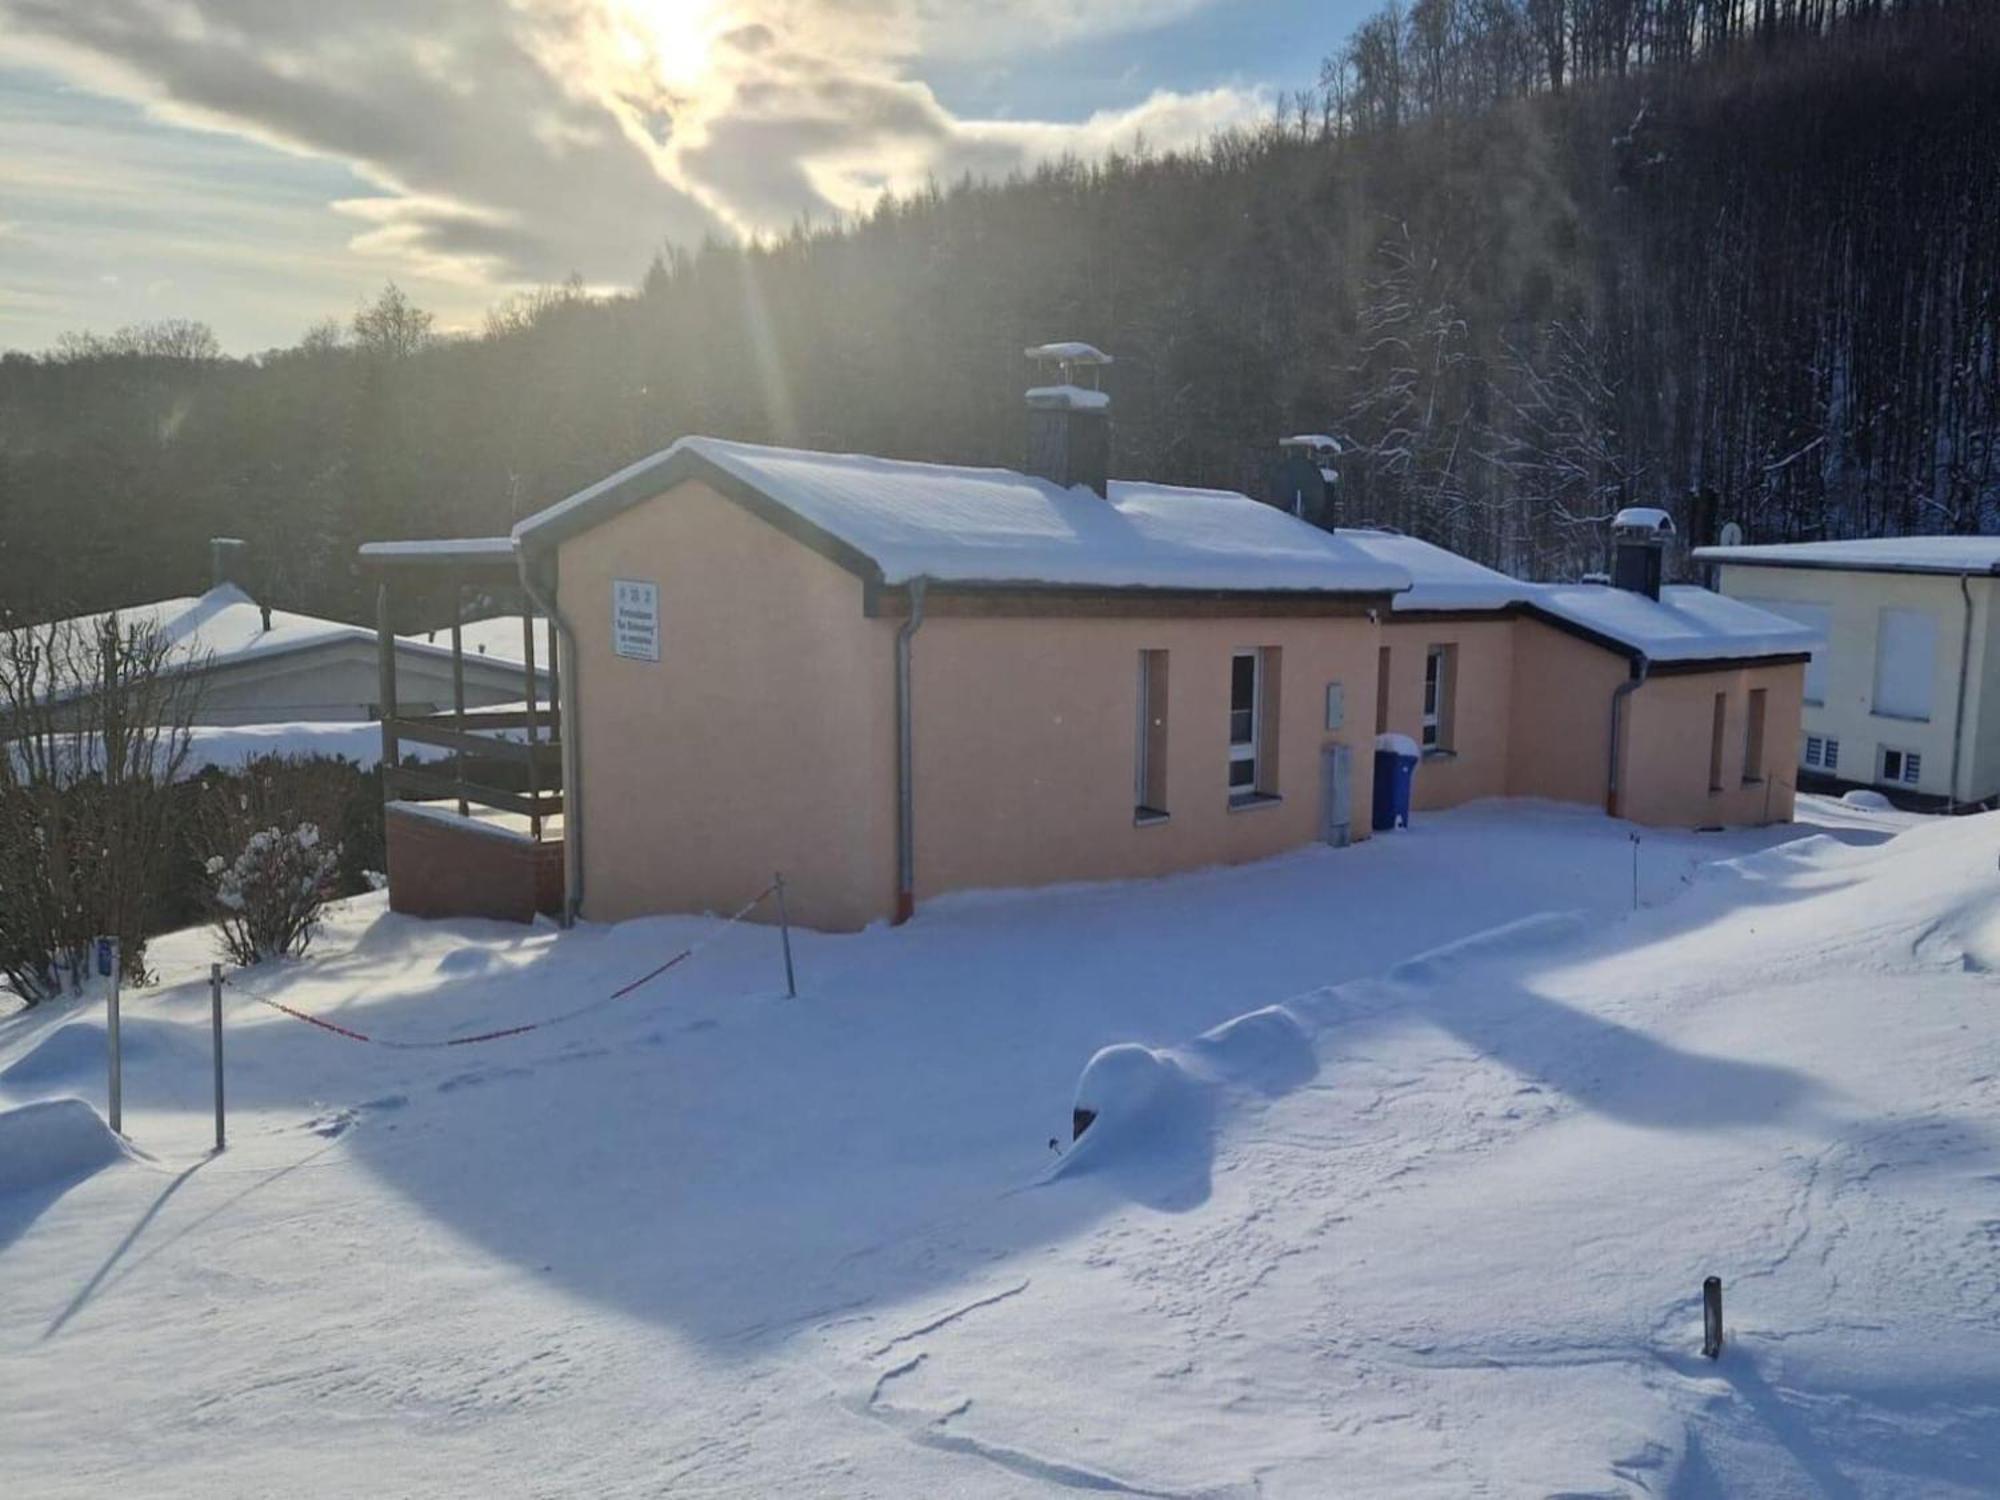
x=1395, y=777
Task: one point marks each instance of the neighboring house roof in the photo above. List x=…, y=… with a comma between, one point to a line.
x=1683, y=624
x=498, y=639
x=1892, y=554
x=892, y=521
x=225, y=628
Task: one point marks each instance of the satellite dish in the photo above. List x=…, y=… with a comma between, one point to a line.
x=1732, y=535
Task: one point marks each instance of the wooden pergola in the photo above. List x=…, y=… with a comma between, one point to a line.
x=477, y=738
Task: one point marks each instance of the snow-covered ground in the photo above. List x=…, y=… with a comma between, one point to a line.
x=1435, y=1226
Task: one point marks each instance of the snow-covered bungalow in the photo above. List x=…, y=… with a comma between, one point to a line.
x=1904, y=694
x=892, y=680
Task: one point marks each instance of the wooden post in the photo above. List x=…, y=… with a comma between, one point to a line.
x=458, y=688
x=534, y=765
x=115, y=1049
x=215, y=1015
x=385, y=686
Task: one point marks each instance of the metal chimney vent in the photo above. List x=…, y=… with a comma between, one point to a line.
x=1069, y=423
x=1639, y=538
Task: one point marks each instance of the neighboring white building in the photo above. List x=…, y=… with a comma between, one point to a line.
x=1906, y=691
x=270, y=666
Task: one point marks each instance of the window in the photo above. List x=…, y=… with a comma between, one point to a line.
x=1905, y=655
x=1440, y=672
x=1832, y=754
x=1253, y=712
x=1753, y=739
x=1382, y=660
x=1816, y=617
x=1903, y=766
x=1822, y=752
x=1715, y=742
x=1150, y=792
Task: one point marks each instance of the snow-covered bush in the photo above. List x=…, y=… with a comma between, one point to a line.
x=268, y=898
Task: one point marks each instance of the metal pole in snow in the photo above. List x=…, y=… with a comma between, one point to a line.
x=111, y=1032
x=785, y=934
x=1711, y=1317
x=215, y=1013
x=1635, y=869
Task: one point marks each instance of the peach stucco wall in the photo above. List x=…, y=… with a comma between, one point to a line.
x=1665, y=777
x=1560, y=715
x=1026, y=744
x=1473, y=763
x=763, y=738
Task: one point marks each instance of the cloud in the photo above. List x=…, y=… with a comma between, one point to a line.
x=514, y=141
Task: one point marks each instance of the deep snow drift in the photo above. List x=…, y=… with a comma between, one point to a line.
x=1410, y=1161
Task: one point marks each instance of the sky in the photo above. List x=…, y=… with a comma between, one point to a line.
x=261, y=165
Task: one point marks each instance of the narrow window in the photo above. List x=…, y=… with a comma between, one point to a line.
x=1753, y=738
x=1813, y=747
x=1253, y=709
x=1245, y=685
x=1833, y=755
x=1151, y=788
x=1382, y=659
x=1903, y=766
x=1439, y=679
x=1715, y=742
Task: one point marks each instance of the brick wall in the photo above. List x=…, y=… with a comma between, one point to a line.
x=437, y=870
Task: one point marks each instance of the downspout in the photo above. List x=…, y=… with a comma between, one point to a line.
x=1640, y=667
x=906, y=801
x=1958, y=710
x=568, y=729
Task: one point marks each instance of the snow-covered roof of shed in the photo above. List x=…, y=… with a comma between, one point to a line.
x=482, y=549
x=1685, y=623
x=954, y=524
x=1890, y=554
x=225, y=627
x=1068, y=398
x=1439, y=578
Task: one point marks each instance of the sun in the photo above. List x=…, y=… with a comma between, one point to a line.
x=669, y=39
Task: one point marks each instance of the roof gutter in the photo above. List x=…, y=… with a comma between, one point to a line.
x=1958, y=709
x=572, y=762
x=906, y=800
x=1640, y=667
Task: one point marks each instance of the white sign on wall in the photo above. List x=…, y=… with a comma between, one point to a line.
x=635, y=619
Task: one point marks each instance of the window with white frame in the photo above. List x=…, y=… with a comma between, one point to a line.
x=1903, y=767
x=1822, y=752
x=1905, y=663
x=1439, y=672
x=1246, y=691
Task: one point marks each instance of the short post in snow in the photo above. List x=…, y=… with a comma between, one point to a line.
x=108, y=967
x=785, y=936
x=1635, y=869
x=215, y=1017
x=1711, y=1317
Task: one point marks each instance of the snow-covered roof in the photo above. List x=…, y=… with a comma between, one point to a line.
x=1685, y=623
x=1892, y=554
x=1315, y=441
x=1439, y=578
x=225, y=627
x=1070, y=352
x=954, y=524
x=480, y=549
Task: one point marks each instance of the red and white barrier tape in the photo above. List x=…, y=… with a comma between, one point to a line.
x=506, y=1031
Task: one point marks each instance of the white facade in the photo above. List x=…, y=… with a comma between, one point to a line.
x=1902, y=695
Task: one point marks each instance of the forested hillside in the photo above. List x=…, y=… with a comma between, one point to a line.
x=1530, y=260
